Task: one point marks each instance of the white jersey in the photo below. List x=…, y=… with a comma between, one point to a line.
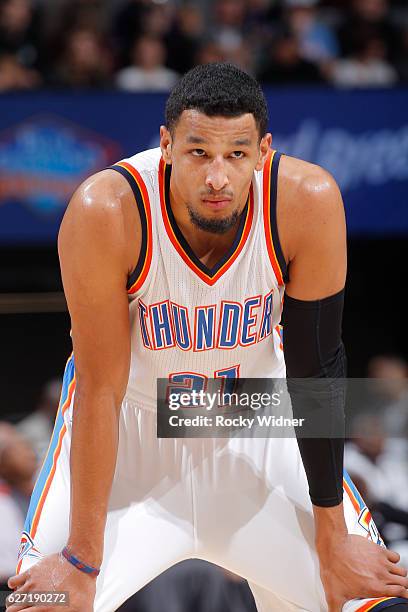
x=190, y=323
x=239, y=502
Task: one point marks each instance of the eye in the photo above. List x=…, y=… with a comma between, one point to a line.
x=198, y=152
x=237, y=154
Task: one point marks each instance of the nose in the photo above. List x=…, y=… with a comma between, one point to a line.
x=217, y=177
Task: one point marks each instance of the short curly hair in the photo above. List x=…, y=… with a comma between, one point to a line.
x=218, y=89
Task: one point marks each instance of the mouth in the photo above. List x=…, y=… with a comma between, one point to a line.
x=216, y=204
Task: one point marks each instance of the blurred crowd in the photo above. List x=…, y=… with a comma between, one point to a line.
x=145, y=45
x=376, y=457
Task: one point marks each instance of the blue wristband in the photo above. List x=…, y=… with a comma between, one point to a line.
x=87, y=569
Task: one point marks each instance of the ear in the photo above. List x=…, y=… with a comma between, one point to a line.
x=165, y=144
x=264, y=148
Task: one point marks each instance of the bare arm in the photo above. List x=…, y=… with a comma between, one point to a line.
x=95, y=260
x=99, y=244
x=311, y=225
x=315, y=243
x=313, y=231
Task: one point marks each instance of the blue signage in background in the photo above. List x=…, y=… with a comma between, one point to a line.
x=42, y=161
x=362, y=139
x=50, y=142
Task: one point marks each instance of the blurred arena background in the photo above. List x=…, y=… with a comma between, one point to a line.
x=82, y=84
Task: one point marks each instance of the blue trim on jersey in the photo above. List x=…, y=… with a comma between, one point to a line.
x=273, y=215
x=388, y=604
x=48, y=461
x=352, y=486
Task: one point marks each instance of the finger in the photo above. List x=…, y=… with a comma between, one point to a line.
x=17, y=599
x=31, y=609
x=393, y=579
x=26, y=608
x=393, y=556
x=398, y=570
x=17, y=607
x=396, y=591
x=40, y=609
x=17, y=580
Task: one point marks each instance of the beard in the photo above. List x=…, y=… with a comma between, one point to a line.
x=213, y=226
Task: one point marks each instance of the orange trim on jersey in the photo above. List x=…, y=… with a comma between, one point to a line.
x=57, y=452
x=352, y=497
x=370, y=605
x=267, y=171
x=210, y=280
x=146, y=203
x=279, y=331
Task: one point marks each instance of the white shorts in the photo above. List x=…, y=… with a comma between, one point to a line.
x=241, y=503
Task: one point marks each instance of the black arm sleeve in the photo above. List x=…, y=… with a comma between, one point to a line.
x=313, y=349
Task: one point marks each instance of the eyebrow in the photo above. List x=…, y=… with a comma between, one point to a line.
x=195, y=140
x=240, y=142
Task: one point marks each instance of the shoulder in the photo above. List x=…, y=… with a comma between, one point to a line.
x=309, y=203
x=109, y=193
x=310, y=181
x=101, y=196
x=101, y=217
x=307, y=190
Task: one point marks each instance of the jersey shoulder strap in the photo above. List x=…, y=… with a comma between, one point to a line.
x=270, y=200
x=140, y=192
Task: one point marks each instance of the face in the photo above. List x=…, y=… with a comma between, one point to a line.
x=213, y=160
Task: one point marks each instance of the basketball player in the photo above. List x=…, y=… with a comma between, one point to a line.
x=174, y=264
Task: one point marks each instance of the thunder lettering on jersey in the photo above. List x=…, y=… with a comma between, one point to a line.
x=190, y=322
x=223, y=326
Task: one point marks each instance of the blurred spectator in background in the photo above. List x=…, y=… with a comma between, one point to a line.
x=370, y=458
x=228, y=29
x=350, y=44
x=128, y=24
x=18, y=465
x=157, y=20
x=402, y=59
x=11, y=519
x=65, y=16
x=317, y=42
x=182, y=40
x=368, y=19
x=19, y=31
x=390, y=372
x=37, y=427
x=85, y=61
x=137, y=17
x=147, y=71
x=86, y=14
x=261, y=22
x=14, y=76
x=228, y=22
x=367, y=67
x=286, y=66
x=209, y=51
